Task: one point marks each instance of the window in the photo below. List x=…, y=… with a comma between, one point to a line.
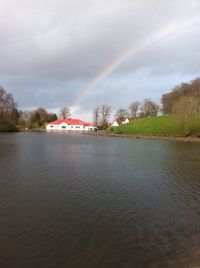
x=77, y=126
x=63, y=126
x=51, y=126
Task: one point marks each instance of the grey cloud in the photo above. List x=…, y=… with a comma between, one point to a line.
x=53, y=49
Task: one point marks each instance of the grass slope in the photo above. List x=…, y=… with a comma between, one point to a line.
x=167, y=125
x=7, y=127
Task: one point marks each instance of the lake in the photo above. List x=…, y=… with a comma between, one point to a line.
x=82, y=201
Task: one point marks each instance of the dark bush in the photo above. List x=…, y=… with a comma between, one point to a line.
x=7, y=127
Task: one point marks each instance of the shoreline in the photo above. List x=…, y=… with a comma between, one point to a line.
x=193, y=139
x=145, y=137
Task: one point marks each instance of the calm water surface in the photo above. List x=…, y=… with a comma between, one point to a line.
x=80, y=201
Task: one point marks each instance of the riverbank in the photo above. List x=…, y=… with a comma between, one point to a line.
x=146, y=137
x=162, y=126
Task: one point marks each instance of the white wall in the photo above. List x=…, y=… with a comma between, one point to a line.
x=115, y=124
x=65, y=127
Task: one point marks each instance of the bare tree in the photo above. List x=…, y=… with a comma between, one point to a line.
x=187, y=109
x=7, y=105
x=43, y=115
x=65, y=112
x=105, y=112
x=170, y=99
x=96, y=116
x=150, y=108
x=52, y=117
x=24, y=118
x=38, y=117
x=121, y=115
x=134, y=107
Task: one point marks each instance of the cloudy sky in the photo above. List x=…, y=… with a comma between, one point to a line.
x=82, y=53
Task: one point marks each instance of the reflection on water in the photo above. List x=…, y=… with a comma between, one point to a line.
x=78, y=201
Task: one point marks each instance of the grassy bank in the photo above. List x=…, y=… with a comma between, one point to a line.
x=168, y=125
x=7, y=127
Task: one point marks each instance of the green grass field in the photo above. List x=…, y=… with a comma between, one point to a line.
x=167, y=125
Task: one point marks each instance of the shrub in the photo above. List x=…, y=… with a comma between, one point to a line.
x=7, y=127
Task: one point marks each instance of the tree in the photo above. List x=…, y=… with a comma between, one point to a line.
x=24, y=118
x=96, y=116
x=121, y=115
x=65, y=112
x=7, y=105
x=149, y=108
x=43, y=115
x=187, y=109
x=35, y=118
x=184, y=89
x=134, y=107
x=105, y=112
x=51, y=117
x=14, y=116
x=39, y=116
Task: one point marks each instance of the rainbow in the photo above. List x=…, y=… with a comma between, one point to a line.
x=170, y=30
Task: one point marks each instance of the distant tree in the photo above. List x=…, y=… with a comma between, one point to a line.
x=39, y=116
x=96, y=116
x=187, y=108
x=65, y=112
x=14, y=116
x=121, y=115
x=134, y=108
x=150, y=108
x=105, y=112
x=51, y=117
x=43, y=115
x=141, y=115
x=35, y=118
x=7, y=105
x=191, y=89
x=24, y=118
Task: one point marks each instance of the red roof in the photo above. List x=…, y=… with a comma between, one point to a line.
x=90, y=125
x=71, y=122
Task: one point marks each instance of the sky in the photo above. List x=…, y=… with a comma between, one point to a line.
x=82, y=54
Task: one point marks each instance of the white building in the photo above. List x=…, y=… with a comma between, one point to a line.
x=126, y=121
x=115, y=124
x=70, y=125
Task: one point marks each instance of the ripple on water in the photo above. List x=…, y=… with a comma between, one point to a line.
x=68, y=201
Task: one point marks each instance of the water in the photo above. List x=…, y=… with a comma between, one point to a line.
x=81, y=201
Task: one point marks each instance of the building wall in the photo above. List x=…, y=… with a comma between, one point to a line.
x=65, y=127
x=115, y=124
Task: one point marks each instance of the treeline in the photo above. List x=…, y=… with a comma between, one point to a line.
x=102, y=113
x=8, y=112
x=35, y=119
x=10, y=116
x=183, y=101
x=184, y=90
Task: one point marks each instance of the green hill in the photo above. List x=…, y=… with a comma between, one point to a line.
x=167, y=125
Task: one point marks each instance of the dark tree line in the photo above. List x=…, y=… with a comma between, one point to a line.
x=36, y=118
x=24, y=119
x=187, y=90
x=184, y=102
x=102, y=113
x=8, y=107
